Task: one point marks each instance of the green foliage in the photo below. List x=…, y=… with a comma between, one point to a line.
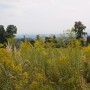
x=78, y=29
x=39, y=68
x=50, y=41
x=8, y=33
x=87, y=63
x=2, y=34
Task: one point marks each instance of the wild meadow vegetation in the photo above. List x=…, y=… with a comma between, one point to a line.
x=40, y=67
x=54, y=64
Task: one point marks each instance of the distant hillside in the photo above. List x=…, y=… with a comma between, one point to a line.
x=34, y=35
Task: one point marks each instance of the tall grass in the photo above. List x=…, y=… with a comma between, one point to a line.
x=87, y=63
x=39, y=68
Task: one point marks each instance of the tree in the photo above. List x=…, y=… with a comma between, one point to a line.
x=79, y=29
x=10, y=31
x=2, y=34
x=51, y=40
x=38, y=38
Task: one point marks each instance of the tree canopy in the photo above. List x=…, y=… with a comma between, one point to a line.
x=79, y=29
x=8, y=33
x=11, y=30
x=2, y=34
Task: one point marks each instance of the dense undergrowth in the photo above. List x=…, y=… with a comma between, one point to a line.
x=39, y=68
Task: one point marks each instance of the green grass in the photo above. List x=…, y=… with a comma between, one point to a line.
x=39, y=68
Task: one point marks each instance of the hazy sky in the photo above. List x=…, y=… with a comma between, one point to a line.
x=44, y=16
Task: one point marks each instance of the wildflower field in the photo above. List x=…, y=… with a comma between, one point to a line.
x=39, y=68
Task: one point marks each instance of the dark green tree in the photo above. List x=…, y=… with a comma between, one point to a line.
x=2, y=34
x=38, y=37
x=10, y=31
x=79, y=29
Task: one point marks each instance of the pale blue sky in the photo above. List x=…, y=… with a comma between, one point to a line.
x=44, y=16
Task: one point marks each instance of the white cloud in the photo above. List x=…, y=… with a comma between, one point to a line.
x=44, y=16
